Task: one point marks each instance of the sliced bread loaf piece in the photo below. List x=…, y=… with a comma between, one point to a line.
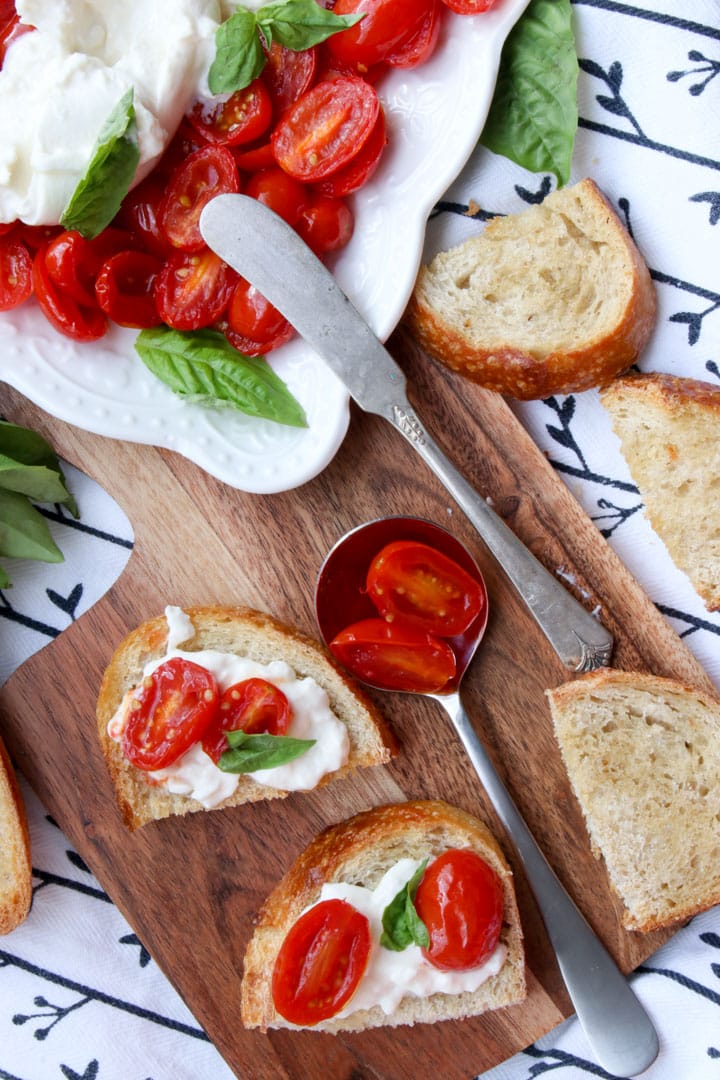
x=669, y=431
x=360, y=852
x=15, y=868
x=642, y=754
x=231, y=633
x=548, y=301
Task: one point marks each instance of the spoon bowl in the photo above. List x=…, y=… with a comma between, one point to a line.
x=615, y=1023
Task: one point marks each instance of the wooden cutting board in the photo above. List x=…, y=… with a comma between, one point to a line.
x=190, y=887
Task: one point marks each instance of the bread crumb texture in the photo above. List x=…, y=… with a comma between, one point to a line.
x=669, y=431
x=642, y=755
x=551, y=300
x=15, y=865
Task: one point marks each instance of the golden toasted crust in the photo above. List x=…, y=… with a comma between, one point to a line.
x=260, y=637
x=641, y=752
x=504, y=308
x=360, y=851
x=15, y=866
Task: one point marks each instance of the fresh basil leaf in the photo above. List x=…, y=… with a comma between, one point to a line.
x=402, y=926
x=5, y=581
x=249, y=753
x=534, y=113
x=300, y=24
x=36, y=481
x=97, y=197
x=203, y=367
x=29, y=448
x=239, y=55
x=24, y=533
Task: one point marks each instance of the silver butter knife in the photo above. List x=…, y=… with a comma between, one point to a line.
x=248, y=236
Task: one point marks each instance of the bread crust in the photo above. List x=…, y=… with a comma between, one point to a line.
x=15, y=865
x=533, y=373
x=643, y=807
x=246, y=632
x=361, y=850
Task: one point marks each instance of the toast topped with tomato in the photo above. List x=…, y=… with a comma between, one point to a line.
x=403, y=914
x=216, y=706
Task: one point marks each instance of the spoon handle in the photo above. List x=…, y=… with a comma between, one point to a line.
x=615, y=1023
x=579, y=639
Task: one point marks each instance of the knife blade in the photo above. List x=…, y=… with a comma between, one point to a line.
x=249, y=236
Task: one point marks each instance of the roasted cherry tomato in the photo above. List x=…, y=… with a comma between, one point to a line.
x=288, y=73
x=325, y=128
x=358, y=171
x=139, y=215
x=255, y=157
x=419, y=584
x=325, y=224
x=253, y=706
x=395, y=656
x=420, y=46
x=169, y=711
x=468, y=7
x=254, y=326
x=83, y=323
x=193, y=289
x=278, y=191
x=385, y=29
x=242, y=118
x=125, y=289
x=74, y=263
x=15, y=272
x=321, y=962
x=460, y=900
x=207, y=172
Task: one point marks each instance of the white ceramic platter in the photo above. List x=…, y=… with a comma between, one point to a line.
x=435, y=114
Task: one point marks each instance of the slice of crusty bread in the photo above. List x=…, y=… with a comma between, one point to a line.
x=669, y=431
x=15, y=867
x=551, y=300
x=642, y=754
x=360, y=851
x=259, y=637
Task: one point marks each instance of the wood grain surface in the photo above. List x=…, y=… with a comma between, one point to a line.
x=190, y=887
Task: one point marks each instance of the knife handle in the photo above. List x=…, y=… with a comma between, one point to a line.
x=579, y=639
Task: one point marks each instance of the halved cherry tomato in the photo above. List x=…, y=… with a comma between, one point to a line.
x=325, y=224
x=321, y=962
x=242, y=118
x=169, y=711
x=73, y=262
x=358, y=171
x=193, y=289
x=139, y=215
x=125, y=289
x=278, y=191
x=386, y=27
x=395, y=656
x=288, y=73
x=255, y=158
x=83, y=323
x=36, y=236
x=207, y=172
x=15, y=272
x=421, y=585
x=468, y=7
x=253, y=706
x=325, y=128
x=254, y=326
x=460, y=900
x=420, y=46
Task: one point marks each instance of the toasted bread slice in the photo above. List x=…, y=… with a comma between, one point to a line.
x=247, y=633
x=360, y=851
x=642, y=754
x=669, y=431
x=15, y=867
x=551, y=300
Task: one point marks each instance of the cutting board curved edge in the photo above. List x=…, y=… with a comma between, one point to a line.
x=198, y=541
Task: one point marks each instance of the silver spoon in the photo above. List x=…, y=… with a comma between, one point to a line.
x=617, y=1027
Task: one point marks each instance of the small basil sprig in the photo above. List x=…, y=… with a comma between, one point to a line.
x=239, y=52
x=402, y=926
x=97, y=197
x=201, y=366
x=29, y=469
x=534, y=113
x=249, y=753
